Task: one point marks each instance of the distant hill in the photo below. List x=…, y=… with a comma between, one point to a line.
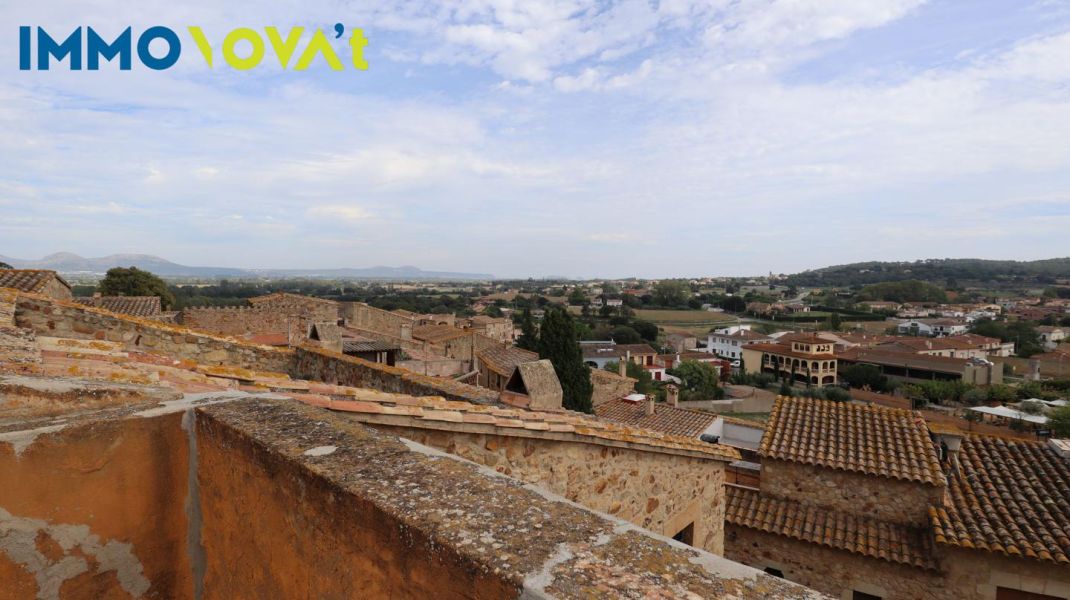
x=72, y=264
x=960, y=270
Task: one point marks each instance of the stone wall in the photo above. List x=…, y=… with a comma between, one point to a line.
x=660, y=492
x=882, y=498
x=963, y=574
x=443, y=367
x=65, y=319
x=7, y=307
x=237, y=320
x=362, y=316
x=318, y=364
x=835, y=572
x=315, y=309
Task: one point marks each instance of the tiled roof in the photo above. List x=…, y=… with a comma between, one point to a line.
x=433, y=412
x=28, y=280
x=353, y=346
x=138, y=306
x=1007, y=496
x=611, y=350
x=437, y=334
x=869, y=537
x=288, y=297
x=102, y=360
x=929, y=344
x=785, y=350
x=504, y=360
x=666, y=419
x=874, y=440
x=943, y=364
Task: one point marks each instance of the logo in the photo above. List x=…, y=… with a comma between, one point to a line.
x=92, y=48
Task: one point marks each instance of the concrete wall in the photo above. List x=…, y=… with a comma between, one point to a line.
x=96, y=511
x=878, y=497
x=68, y=320
x=659, y=492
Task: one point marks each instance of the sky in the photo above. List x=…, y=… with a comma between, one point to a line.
x=552, y=138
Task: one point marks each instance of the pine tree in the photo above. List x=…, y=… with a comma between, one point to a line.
x=529, y=335
x=558, y=344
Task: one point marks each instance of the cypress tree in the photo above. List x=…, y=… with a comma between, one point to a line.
x=558, y=344
x=529, y=335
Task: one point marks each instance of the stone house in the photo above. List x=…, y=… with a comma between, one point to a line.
x=866, y=502
x=148, y=307
x=36, y=281
x=497, y=364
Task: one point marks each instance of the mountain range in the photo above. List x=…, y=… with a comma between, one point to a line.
x=71, y=264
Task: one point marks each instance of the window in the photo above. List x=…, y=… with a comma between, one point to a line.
x=774, y=572
x=857, y=595
x=686, y=535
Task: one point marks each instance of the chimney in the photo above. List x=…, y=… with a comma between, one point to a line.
x=628, y=355
x=622, y=368
x=672, y=394
x=649, y=404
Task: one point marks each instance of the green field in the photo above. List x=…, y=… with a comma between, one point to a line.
x=694, y=322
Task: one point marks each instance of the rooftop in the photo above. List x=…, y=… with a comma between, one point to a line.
x=28, y=280
x=871, y=440
x=1009, y=497
x=892, y=542
x=437, y=334
x=138, y=306
x=666, y=419
x=503, y=360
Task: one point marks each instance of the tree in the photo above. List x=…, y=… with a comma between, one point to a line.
x=529, y=334
x=135, y=282
x=698, y=380
x=734, y=304
x=646, y=329
x=577, y=297
x=1059, y=421
x=860, y=376
x=671, y=292
x=835, y=322
x=558, y=344
x=4, y=265
x=623, y=334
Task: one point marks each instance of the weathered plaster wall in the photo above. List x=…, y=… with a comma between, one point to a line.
x=274, y=529
x=660, y=492
x=878, y=497
x=975, y=575
x=96, y=511
x=68, y=320
x=331, y=367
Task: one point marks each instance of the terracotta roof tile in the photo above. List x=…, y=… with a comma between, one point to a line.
x=874, y=440
x=28, y=280
x=869, y=537
x=667, y=419
x=138, y=306
x=503, y=360
x=1007, y=496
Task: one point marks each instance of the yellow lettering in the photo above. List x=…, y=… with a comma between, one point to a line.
x=243, y=33
x=319, y=44
x=202, y=44
x=357, y=44
x=284, y=50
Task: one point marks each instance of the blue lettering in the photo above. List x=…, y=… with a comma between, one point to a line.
x=97, y=47
x=72, y=46
x=174, y=48
x=24, y=48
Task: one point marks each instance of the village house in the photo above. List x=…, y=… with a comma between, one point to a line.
x=36, y=281
x=496, y=365
x=493, y=327
x=1051, y=337
x=952, y=347
x=915, y=367
x=804, y=358
x=932, y=327
x=866, y=502
x=728, y=342
x=598, y=354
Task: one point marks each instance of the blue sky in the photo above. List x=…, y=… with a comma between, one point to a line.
x=526, y=138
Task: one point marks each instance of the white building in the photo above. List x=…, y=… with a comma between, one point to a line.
x=932, y=327
x=728, y=342
x=1050, y=337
